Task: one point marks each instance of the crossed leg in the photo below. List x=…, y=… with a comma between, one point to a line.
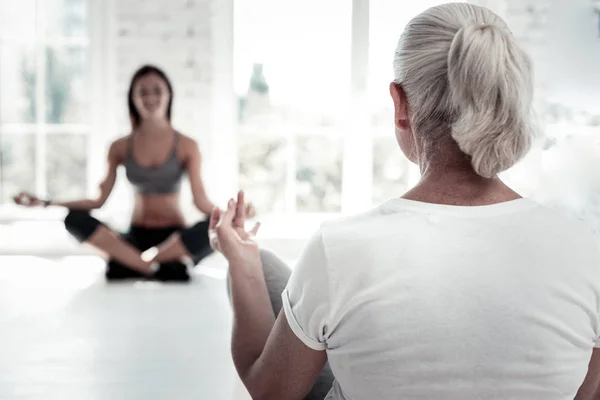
x=191, y=243
x=87, y=229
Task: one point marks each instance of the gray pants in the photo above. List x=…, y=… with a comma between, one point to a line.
x=277, y=274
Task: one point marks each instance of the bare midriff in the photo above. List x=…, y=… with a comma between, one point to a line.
x=157, y=211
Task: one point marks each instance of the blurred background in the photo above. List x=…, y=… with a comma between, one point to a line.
x=288, y=100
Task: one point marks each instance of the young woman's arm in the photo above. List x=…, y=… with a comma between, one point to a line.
x=106, y=186
x=194, y=170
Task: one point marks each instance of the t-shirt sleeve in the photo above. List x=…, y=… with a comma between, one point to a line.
x=306, y=297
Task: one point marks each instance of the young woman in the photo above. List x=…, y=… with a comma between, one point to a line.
x=155, y=157
x=457, y=290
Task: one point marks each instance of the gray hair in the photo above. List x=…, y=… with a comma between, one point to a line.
x=464, y=75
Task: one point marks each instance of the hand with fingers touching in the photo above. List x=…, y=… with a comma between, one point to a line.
x=228, y=234
x=29, y=200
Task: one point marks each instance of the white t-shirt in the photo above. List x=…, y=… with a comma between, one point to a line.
x=423, y=301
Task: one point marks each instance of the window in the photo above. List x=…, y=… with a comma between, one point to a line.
x=44, y=98
x=293, y=87
x=315, y=136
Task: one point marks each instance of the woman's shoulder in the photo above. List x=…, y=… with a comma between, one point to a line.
x=568, y=223
x=187, y=143
x=121, y=141
x=186, y=139
x=353, y=219
x=353, y=227
x=119, y=147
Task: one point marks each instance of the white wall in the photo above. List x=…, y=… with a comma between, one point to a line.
x=572, y=55
x=563, y=38
x=192, y=41
x=177, y=37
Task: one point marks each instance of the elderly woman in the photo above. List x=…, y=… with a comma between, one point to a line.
x=457, y=290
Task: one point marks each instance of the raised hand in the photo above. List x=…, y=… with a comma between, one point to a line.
x=229, y=236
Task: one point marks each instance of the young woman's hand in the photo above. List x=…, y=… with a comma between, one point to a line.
x=28, y=200
x=229, y=236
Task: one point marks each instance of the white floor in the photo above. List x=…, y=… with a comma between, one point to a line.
x=66, y=334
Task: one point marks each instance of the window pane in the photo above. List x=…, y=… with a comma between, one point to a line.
x=387, y=21
x=17, y=19
x=66, y=18
x=296, y=82
x=262, y=171
x=17, y=169
x=318, y=174
x=66, y=166
x=390, y=169
x=66, y=94
x=17, y=84
x=298, y=62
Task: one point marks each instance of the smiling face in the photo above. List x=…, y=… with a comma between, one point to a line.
x=151, y=97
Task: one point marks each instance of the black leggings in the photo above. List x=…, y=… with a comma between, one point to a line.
x=81, y=225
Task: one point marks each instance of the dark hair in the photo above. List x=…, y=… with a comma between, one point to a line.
x=134, y=115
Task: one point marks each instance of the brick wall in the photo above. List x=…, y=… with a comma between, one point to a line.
x=176, y=36
x=192, y=41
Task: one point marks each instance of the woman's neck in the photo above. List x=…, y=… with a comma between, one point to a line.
x=154, y=127
x=459, y=185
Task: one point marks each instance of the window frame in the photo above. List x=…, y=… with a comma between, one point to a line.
x=98, y=57
x=357, y=140
x=357, y=163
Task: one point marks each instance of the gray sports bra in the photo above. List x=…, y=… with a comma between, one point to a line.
x=162, y=179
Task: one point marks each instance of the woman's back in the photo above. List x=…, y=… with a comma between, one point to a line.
x=493, y=298
x=428, y=301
